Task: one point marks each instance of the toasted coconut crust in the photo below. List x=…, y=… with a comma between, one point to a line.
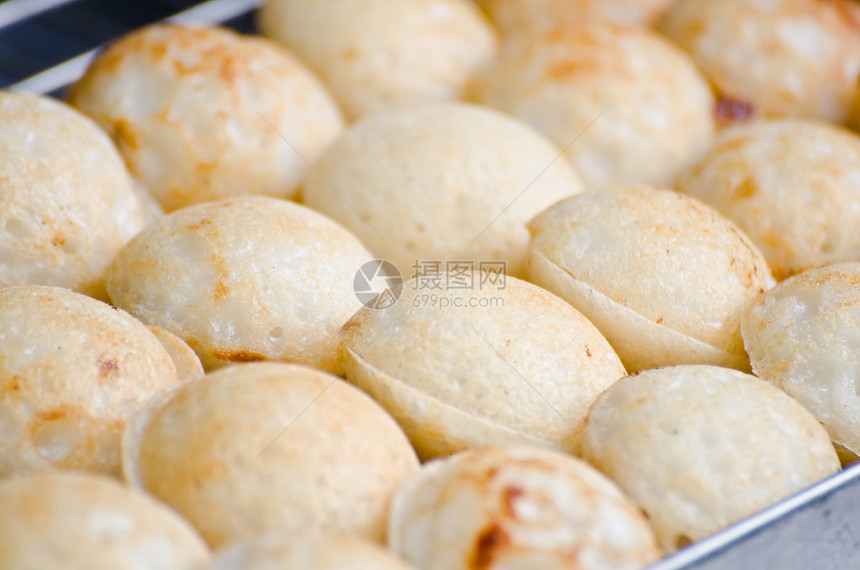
x=73, y=371
x=244, y=279
x=458, y=182
x=523, y=369
x=375, y=54
x=513, y=17
x=186, y=361
x=804, y=337
x=516, y=507
x=204, y=114
x=627, y=253
x=78, y=521
x=700, y=447
x=626, y=105
x=67, y=203
x=782, y=58
x=302, y=551
x=791, y=185
x=271, y=447
x=627, y=330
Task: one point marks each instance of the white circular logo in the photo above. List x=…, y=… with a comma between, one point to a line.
x=378, y=284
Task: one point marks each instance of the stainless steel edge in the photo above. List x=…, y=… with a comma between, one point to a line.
x=815, y=529
x=13, y=11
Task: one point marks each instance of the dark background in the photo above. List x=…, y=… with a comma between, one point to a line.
x=56, y=35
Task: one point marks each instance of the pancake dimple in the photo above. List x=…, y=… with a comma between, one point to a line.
x=270, y=448
x=516, y=507
x=461, y=368
x=625, y=104
x=804, y=337
x=792, y=185
x=67, y=203
x=73, y=371
x=378, y=54
x=243, y=279
x=440, y=182
x=784, y=58
x=202, y=114
x=305, y=551
x=663, y=276
x=86, y=522
x=700, y=447
x=514, y=17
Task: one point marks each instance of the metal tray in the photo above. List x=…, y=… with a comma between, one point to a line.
x=815, y=529
x=47, y=44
